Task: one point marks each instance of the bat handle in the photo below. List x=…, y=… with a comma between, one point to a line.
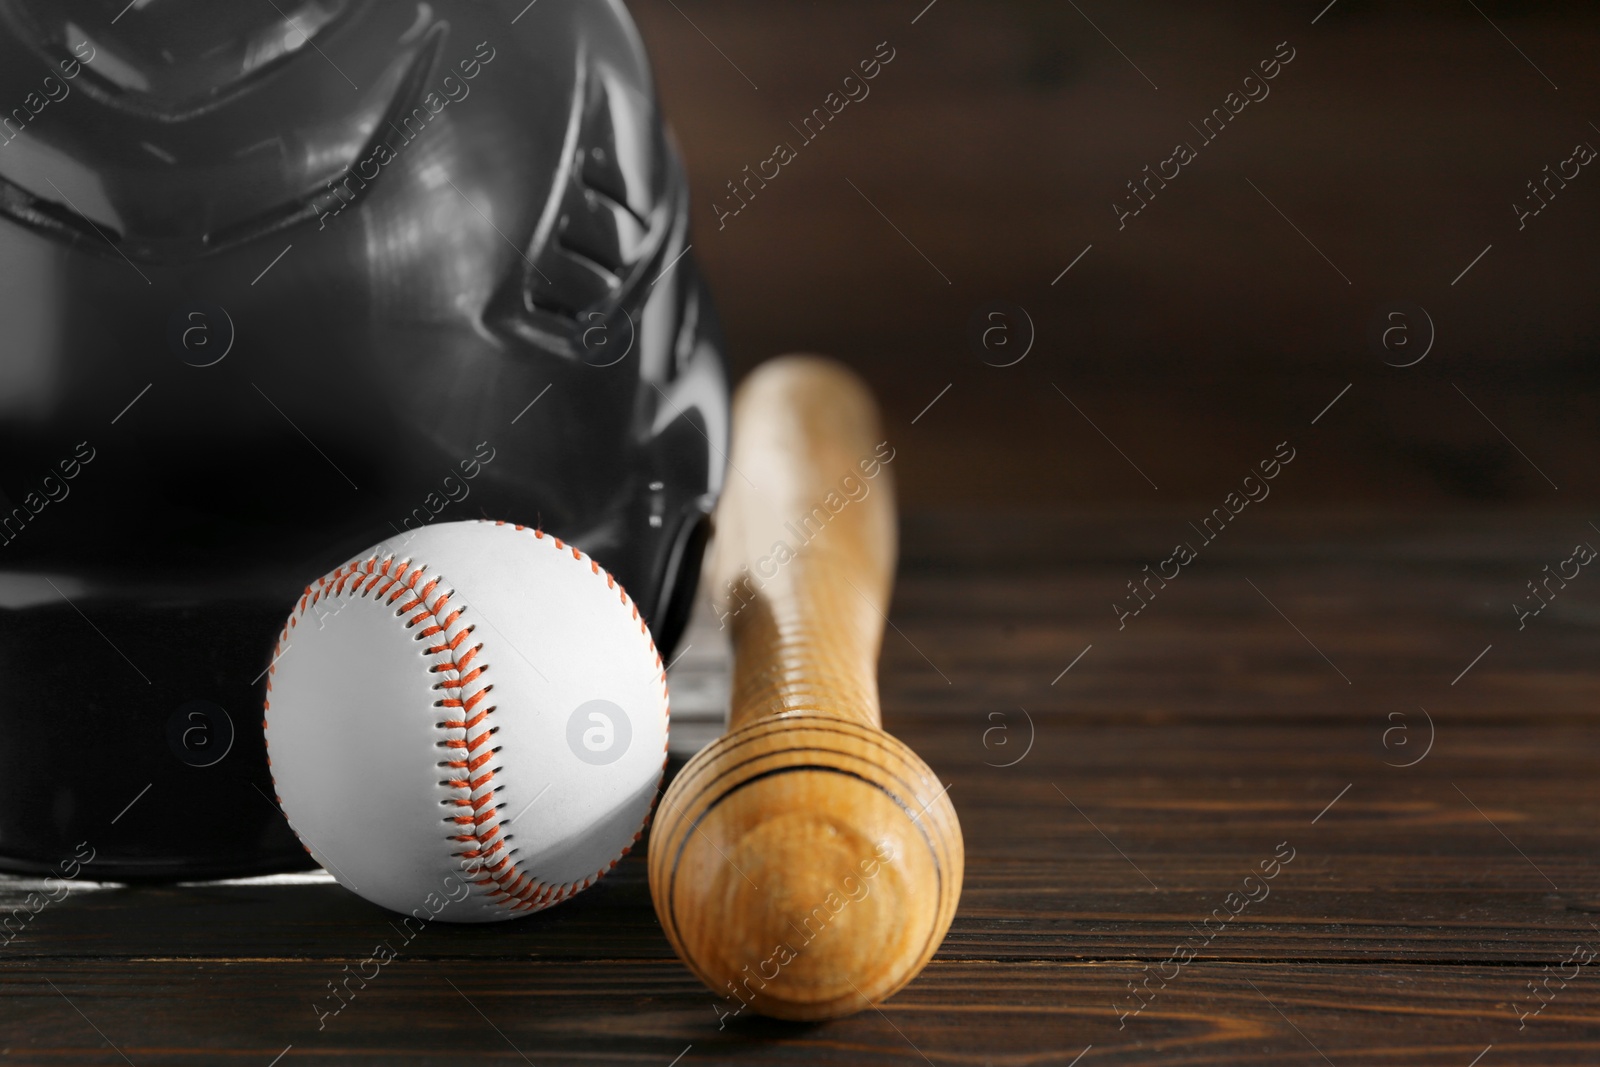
x=804, y=556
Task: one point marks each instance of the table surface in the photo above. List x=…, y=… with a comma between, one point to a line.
x=1351, y=691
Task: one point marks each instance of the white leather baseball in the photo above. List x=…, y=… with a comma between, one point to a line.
x=468, y=725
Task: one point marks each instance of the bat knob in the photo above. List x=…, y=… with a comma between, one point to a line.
x=806, y=866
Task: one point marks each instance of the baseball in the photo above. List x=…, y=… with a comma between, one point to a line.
x=468, y=725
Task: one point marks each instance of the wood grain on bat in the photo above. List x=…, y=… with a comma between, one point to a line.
x=806, y=864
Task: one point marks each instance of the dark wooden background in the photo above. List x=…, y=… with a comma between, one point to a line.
x=1357, y=620
x=997, y=140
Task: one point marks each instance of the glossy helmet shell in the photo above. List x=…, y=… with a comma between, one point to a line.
x=278, y=282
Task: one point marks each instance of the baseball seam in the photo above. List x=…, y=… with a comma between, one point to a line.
x=466, y=735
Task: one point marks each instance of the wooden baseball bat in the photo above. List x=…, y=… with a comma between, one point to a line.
x=805, y=865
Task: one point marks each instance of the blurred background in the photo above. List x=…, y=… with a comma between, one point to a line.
x=1230, y=311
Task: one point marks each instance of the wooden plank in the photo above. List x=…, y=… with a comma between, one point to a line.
x=640, y=1012
x=1401, y=606
x=1203, y=330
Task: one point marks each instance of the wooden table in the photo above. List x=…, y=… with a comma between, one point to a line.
x=1260, y=706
